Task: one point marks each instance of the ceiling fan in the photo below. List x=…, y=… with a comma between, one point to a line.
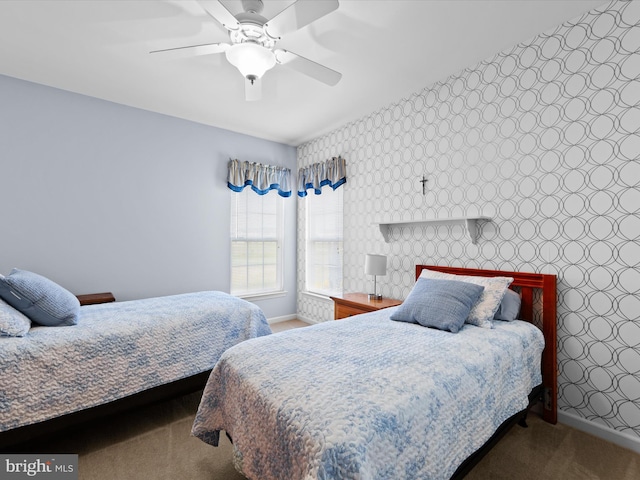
x=253, y=38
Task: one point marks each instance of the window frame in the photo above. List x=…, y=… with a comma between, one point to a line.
x=339, y=239
x=246, y=237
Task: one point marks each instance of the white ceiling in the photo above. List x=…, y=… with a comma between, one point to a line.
x=385, y=49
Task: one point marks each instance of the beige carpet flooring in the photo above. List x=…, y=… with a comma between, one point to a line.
x=154, y=443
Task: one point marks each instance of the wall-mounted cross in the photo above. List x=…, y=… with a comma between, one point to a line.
x=424, y=184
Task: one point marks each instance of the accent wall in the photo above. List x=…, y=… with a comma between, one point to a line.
x=543, y=138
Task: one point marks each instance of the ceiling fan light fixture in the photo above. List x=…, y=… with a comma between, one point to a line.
x=251, y=59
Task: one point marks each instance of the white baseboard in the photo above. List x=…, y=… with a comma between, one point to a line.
x=619, y=438
x=284, y=318
x=306, y=320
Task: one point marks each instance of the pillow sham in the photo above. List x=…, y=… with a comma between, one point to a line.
x=12, y=322
x=509, y=308
x=42, y=300
x=441, y=304
x=494, y=289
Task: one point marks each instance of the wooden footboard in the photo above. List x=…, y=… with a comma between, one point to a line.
x=527, y=284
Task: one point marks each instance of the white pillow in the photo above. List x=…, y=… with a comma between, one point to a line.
x=485, y=308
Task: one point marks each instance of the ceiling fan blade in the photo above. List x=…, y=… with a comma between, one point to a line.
x=308, y=67
x=192, y=51
x=252, y=90
x=220, y=13
x=297, y=15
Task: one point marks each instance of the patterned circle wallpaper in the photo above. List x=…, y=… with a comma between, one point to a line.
x=544, y=138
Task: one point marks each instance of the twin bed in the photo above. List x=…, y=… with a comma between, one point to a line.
x=372, y=398
x=360, y=398
x=118, y=355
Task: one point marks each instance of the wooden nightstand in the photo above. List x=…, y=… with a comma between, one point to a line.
x=94, y=298
x=355, y=303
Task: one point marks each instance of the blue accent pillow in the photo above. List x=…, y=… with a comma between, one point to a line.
x=441, y=304
x=485, y=308
x=43, y=301
x=12, y=322
x=509, y=308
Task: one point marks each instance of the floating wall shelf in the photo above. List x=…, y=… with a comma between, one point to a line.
x=470, y=224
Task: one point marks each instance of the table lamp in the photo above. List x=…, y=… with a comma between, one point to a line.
x=375, y=265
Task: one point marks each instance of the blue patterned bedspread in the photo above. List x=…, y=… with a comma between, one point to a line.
x=118, y=349
x=368, y=398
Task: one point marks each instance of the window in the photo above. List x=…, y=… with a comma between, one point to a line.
x=256, y=243
x=324, y=242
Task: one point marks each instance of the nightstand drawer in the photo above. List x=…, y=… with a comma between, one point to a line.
x=344, y=311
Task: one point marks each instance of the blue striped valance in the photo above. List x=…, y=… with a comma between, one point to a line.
x=261, y=178
x=333, y=172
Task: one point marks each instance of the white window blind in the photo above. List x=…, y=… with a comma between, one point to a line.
x=256, y=243
x=324, y=250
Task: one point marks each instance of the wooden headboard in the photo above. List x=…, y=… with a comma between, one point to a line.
x=527, y=283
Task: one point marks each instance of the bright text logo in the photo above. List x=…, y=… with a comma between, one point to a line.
x=49, y=467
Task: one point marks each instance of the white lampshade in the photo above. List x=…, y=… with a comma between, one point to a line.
x=375, y=264
x=251, y=59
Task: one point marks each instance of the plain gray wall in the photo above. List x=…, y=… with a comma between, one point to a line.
x=100, y=197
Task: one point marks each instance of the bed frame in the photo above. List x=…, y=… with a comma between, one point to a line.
x=527, y=283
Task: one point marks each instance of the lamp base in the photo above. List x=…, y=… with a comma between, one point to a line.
x=374, y=296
